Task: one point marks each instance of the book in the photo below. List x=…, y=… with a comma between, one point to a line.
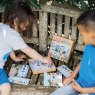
x=38, y=67
x=18, y=74
x=19, y=80
x=53, y=79
x=19, y=70
x=61, y=48
x=65, y=70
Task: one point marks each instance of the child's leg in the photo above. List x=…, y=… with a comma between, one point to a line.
x=5, y=89
x=67, y=90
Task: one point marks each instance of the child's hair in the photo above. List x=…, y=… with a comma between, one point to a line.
x=87, y=19
x=18, y=10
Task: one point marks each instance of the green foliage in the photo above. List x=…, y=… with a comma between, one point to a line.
x=82, y=4
x=6, y=3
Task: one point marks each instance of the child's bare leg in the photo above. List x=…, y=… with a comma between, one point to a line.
x=5, y=89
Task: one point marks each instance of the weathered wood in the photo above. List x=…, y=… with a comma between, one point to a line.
x=52, y=24
x=35, y=27
x=74, y=30
x=80, y=41
x=77, y=46
x=43, y=31
x=67, y=26
x=31, y=40
x=40, y=80
x=31, y=90
x=33, y=80
x=59, y=25
x=60, y=9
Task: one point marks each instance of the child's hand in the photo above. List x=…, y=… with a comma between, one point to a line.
x=68, y=80
x=20, y=58
x=77, y=87
x=47, y=60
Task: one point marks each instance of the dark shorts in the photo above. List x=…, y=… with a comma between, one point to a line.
x=3, y=77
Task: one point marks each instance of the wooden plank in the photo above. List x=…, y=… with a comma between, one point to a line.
x=40, y=80
x=61, y=9
x=33, y=80
x=67, y=26
x=79, y=47
x=74, y=30
x=31, y=90
x=35, y=27
x=59, y=25
x=43, y=31
x=80, y=41
x=52, y=25
x=31, y=40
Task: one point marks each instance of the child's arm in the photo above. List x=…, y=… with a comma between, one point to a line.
x=16, y=58
x=35, y=55
x=88, y=90
x=72, y=76
x=78, y=88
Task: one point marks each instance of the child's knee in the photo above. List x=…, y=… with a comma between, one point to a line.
x=6, y=87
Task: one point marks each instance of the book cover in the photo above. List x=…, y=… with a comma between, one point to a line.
x=61, y=48
x=53, y=79
x=18, y=74
x=40, y=67
x=19, y=80
x=65, y=70
x=19, y=70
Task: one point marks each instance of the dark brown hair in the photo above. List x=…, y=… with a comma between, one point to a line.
x=86, y=17
x=18, y=10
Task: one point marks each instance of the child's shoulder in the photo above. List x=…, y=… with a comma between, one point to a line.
x=89, y=47
x=6, y=28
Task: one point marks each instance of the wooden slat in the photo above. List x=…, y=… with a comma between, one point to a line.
x=59, y=25
x=31, y=40
x=79, y=47
x=31, y=90
x=43, y=31
x=35, y=28
x=80, y=41
x=74, y=30
x=33, y=79
x=67, y=26
x=52, y=25
x=40, y=80
x=62, y=9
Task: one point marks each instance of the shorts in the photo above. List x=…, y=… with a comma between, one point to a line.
x=3, y=77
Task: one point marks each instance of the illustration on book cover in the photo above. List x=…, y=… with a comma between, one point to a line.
x=60, y=48
x=40, y=67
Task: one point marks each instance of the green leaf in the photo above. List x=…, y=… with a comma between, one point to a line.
x=84, y=6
